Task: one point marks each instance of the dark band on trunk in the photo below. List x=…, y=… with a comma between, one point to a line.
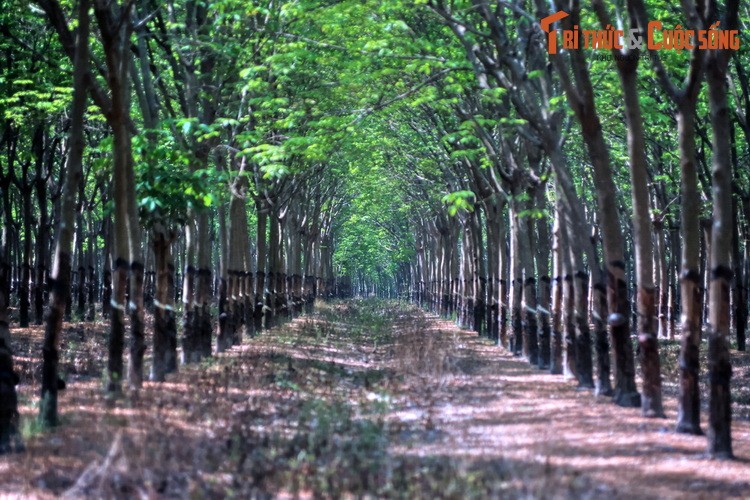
x=617, y=263
x=722, y=272
x=690, y=275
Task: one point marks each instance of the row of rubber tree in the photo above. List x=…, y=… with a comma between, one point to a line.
x=526, y=258
x=153, y=210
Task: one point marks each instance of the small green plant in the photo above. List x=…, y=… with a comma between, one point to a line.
x=338, y=452
x=32, y=427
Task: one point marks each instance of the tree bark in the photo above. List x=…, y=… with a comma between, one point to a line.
x=651, y=400
x=42, y=244
x=189, y=341
x=10, y=436
x=568, y=305
x=599, y=315
x=261, y=258
x=556, y=342
x=719, y=364
x=60, y=277
x=739, y=292
x=165, y=322
x=516, y=281
x=542, y=261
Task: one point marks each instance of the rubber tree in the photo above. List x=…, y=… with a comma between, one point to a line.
x=61, y=268
x=685, y=99
x=165, y=321
x=238, y=257
x=627, y=69
x=719, y=364
x=543, y=254
x=43, y=236
x=556, y=342
x=10, y=436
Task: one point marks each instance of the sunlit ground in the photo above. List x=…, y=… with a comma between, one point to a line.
x=361, y=397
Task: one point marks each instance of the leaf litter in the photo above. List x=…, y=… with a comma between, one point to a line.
x=361, y=398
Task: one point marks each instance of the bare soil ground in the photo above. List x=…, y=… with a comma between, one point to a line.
x=361, y=398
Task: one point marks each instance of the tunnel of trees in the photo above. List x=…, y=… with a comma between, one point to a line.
x=221, y=166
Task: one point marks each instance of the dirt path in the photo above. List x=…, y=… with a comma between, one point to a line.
x=360, y=398
x=494, y=407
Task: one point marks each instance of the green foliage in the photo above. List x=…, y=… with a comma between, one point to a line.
x=459, y=200
x=168, y=191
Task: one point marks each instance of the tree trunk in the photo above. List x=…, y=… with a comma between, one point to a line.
x=543, y=250
x=719, y=364
x=480, y=275
x=261, y=256
x=238, y=246
x=137, y=270
x=599, y=314
x=661, y=277
x=224, y=244
x=492, y=210
x=295, y=264
x=556, y=342
x=24, y=292
x=121, y=267
x=568, y=304
x=739, y=292
x=92, y=280
x=281, y=308
x=584, y=367
x=42, y=239
x=60, y=277
x=274, y=235
x=688, y=412
x=530, y=338
x=189, y=340
x=674, y=272
x=503, y=283
x=165, y=322
x=81, y=276
x=651, y=401
x=203, y=289
x=578, y=286
x=707, y=227
x=516, y=283
x=10, y=436
x=107, y=269
x=569, y=356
